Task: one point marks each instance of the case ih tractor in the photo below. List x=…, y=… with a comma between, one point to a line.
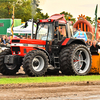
x=69, y=55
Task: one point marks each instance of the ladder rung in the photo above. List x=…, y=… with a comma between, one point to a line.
x=56, y=57
x=56, y=62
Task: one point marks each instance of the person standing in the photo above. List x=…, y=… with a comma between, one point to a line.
x=94, y=48
x=4, y=39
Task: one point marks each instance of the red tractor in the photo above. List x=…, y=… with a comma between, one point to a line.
x=69, y=55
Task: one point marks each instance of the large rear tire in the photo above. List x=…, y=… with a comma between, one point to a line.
x=75, y=59
x=7, y=69
x=35, y=63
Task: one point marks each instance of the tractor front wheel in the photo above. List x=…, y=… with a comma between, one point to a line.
x=35, y=63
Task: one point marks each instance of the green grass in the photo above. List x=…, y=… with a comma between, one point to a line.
x=49, y=79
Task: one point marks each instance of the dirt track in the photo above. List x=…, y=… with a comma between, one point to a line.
x=50, y=91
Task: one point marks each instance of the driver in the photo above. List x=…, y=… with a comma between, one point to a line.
x=56, y=32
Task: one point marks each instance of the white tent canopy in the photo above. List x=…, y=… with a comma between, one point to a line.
x=22, y=29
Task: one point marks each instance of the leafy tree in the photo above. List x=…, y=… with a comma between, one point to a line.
x=40, y=15
x=46, y=16
x=38, y=10
x=89, y=19
x=67, y=15
x=5, y=8
x=23, y=9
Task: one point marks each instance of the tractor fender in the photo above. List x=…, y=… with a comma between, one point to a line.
x=68, y=41
x=45, y=52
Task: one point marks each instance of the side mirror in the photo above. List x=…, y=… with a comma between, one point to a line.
x=56, y=24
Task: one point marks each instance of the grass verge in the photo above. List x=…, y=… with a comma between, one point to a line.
x=49, y=79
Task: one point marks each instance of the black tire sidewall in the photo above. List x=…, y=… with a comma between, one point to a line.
x=3, y=68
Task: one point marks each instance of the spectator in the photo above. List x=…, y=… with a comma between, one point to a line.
x=1, y=41
x=4, y=39
x=94, y=48
x=28, y=37
x=24, y=37
x=7, y=40
x=21, y=36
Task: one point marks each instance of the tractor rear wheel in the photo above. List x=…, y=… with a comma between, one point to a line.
x=35, y=63
x=75, y=59
x=7, y=69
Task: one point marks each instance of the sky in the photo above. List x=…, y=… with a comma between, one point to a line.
x=75, y=7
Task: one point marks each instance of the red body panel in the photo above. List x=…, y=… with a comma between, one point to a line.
x=22, y=50
x=46, y=20
x=28, y=48
x=32, y=41
x=65, y=41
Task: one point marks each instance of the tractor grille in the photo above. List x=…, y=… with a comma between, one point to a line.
x=15, y=41
x=16, y=49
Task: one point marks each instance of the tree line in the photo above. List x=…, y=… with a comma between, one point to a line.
x=23, y=10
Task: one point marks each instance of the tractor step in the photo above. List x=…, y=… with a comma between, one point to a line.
x=56, y=61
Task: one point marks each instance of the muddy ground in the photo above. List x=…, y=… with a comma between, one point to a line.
x=89, y=90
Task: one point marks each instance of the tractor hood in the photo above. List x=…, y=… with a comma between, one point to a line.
x=28, y=41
